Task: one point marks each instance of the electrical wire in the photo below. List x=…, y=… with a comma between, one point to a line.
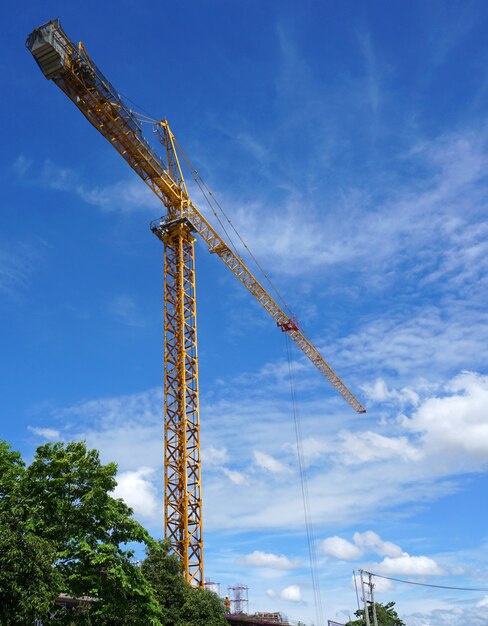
x=305, y=495
x=411, y=582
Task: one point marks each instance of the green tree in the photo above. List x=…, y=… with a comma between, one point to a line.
x=181, y=605
x=69, y=493
x=28, y=582
x=63, y=531
x=386, y=614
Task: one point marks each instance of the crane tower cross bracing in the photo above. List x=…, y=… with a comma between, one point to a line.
x=71, y=69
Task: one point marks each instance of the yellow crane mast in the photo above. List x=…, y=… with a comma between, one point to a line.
x=71, y=69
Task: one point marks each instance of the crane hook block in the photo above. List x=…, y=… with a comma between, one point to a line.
x=288, y=325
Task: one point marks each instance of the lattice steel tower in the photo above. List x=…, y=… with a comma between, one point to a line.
x=182, y=480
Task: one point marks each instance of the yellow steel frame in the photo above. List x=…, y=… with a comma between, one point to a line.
x=84, y=84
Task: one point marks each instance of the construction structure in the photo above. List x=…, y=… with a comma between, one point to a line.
x=239, y=599
x=214, y=587
x=258, y=619
x=69, y=66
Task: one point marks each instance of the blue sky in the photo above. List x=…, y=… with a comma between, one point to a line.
x=348, y=141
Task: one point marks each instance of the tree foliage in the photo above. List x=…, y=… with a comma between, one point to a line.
x=181, y=604
x=28, y=582
x=61, y=530
x=386, y=614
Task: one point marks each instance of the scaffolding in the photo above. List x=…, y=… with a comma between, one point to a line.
x=239, y=599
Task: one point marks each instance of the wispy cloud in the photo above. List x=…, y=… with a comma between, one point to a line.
x=21, y=165
x=372, y=74
x=51, y=434
x=401, y=463
x=126, y=195
x=125, y=310
x=17, y=264
x=269, y=463
x=448, y=26
x=429, y=343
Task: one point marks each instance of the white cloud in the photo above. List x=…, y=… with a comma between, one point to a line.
x=365, y=447
x=340, y=548
x=139, y=492
x=46, y=433
x=397, y=469
x=366, y=542
x=238, y=478
x=375, y=237
x=383, y=585
x=379, y=392
x=453, y=615
x=127, y=429
x=371, y=541
x=212, y=456
x=455, y=424
x=126, y=195
x=292, y=593
x=407, y=565
x=268, y=560
x=268, y=462
x=428, y=343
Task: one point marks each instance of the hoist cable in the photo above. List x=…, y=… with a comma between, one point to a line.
x=209, y=196
x=217, y=217
x=304, y=488
x=146, y=113
x=200, y=182
x=196, y=175
x=212, y=208
x=212, y=202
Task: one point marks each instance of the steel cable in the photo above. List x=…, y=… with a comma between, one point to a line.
x=305, y=494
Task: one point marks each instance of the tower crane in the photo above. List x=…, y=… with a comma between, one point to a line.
x=69, y=66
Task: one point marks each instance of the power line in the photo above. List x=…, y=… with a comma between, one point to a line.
x=411, y=582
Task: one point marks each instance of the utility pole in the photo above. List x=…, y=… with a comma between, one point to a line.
x=368, y=597
x=373, y=603
x=364, y=599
